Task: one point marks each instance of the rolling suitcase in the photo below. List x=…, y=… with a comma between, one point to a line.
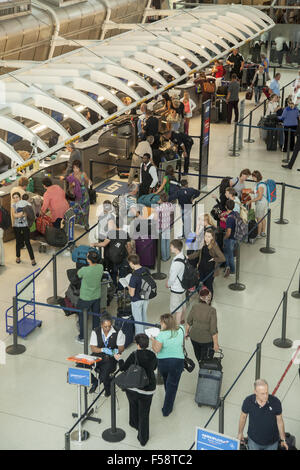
x=271, y=140
x=222, y=108
x=146, y=249
x=209, y=382
x=214, y=114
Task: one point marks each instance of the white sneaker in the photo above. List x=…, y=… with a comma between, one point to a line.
x=263, y=234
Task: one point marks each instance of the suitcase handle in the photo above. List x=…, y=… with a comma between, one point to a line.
x=220, y=352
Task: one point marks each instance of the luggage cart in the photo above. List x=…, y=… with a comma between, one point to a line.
x=26, y=311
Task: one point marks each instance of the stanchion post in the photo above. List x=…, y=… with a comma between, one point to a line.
x=267, y=249
x=91, y=170
x=249, y=140
x=67, y=441
x=113, y=434
x=287, y=159
x=283, y=342
x=258, y=361
x=296, y=293
x=237, y=285
x=159, y=275
x=265, y=107
x=221, y=416
x=234, y=152
x=15, y=348
x=281, y=220
x=55, y=300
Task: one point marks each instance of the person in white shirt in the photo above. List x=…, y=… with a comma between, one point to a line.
x=143, y=147
x=280, y=42
x=174, y=281
x=273, y=104
x=105, y=214
x=148, y=175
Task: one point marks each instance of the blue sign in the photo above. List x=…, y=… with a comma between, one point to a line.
x=78, y=376
x=209, y=440
x=113, y=187
x=71, y=228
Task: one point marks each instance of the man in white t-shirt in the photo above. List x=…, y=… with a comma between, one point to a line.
x=174, y=281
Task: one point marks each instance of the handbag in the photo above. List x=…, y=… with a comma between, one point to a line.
x=188, y=364
x=56, y=236
x=249, y=93
x=134, y=377
x=42, y=222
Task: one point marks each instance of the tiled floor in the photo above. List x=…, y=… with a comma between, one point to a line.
x=36, y=403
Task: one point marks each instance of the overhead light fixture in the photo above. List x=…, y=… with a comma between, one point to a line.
x=157, y=70
x=37, y=129
x=100, y=99
x=182, y=57
x=131, y=83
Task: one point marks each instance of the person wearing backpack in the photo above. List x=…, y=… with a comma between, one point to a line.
x=173, y=283
x=261, y=202
x=140, y=399
x=211, y=257
x=21, y=229
x=229, y=239
x=139, y=304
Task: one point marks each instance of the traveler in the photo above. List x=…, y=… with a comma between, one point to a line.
x=290, y=118
x=75, y=155
x=21, y=229
x=261, y=203
x=218, y=70
x=148, y=175
x=164, y=213
x=230, y=193
x=265, y=64
x=185, y=196
x=178, y=106
x=189, y=106
x=140, y=399
x=141, y=120
x=238, y=183
x=258, y=82
x=232, y=98
x=106, y=221
x=139, y=306
x=273, y=104
x=295, y=152
x=54, y=201
x=167, y=104
x=169, y=348
x=151, y=127
x=143, y=147
x=165, y=185
x=266, y=426
x=79, y=183
x=236, y=62
x=128, y=205
x=211, y=256
x=229, y=240
x=116, y=250
x=202, y=327
x=177, y=297
x=275, y=85
x=21, y=188
x=105, y=342
x=90, y=290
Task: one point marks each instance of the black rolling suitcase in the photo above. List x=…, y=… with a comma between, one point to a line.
x=214, y=114
x=271, y=140
x=209, y=382
x=222, y=108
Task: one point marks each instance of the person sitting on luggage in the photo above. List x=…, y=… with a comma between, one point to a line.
x=105, y=342
x=266, y=426
x=90, y=290
x=202, y=327
x=148, y=175
x=54, y=201
x=140, y=399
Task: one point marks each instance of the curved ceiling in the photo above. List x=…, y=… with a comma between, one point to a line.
x=161, y=53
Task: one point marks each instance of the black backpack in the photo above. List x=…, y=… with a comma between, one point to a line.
x=134, y=377
x=5, y=219
x=117, y=251
x=148, y=288
x=190, y=278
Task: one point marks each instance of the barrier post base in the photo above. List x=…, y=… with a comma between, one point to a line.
x=233, y=154
x=281, y=222
x=14, y=350
x=283, y=343
x=267, y=250
x=159, y=276
x=54, y=300
x=113, y=436
x=285, y=160
x=76, y=437
x=296, y=294
x=249, y=141
x=237, y=286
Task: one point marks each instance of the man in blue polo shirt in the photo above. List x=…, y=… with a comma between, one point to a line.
x=275, y=85
x=266, y=426
x=229, y=240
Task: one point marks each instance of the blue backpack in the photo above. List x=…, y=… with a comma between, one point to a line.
x=271, y=190
x=79, y=254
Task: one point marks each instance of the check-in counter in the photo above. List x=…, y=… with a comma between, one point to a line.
x=196, y=97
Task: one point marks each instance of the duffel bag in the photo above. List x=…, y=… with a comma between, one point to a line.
x=42, y=222
x=56, y=236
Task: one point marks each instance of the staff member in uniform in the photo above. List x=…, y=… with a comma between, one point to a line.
x=105, y=342
x=148, y=176
x=236, y=61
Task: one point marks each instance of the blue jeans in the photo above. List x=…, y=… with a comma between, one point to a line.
x=229, y=245
x=253, y=446
x=165, y=248
x=170, y=370
x=139, y=312
x=92, y=306
x=257, y=93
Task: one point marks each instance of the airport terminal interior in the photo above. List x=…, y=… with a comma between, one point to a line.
x=105, y=65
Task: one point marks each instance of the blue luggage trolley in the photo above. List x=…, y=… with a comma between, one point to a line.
x=26, y=311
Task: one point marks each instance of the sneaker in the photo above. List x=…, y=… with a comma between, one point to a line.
x=79, y=340
x=107, y=394
x=93, y=387
x=227, y=272
x=258, y=237
x=263, y=234
x=285, y=166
